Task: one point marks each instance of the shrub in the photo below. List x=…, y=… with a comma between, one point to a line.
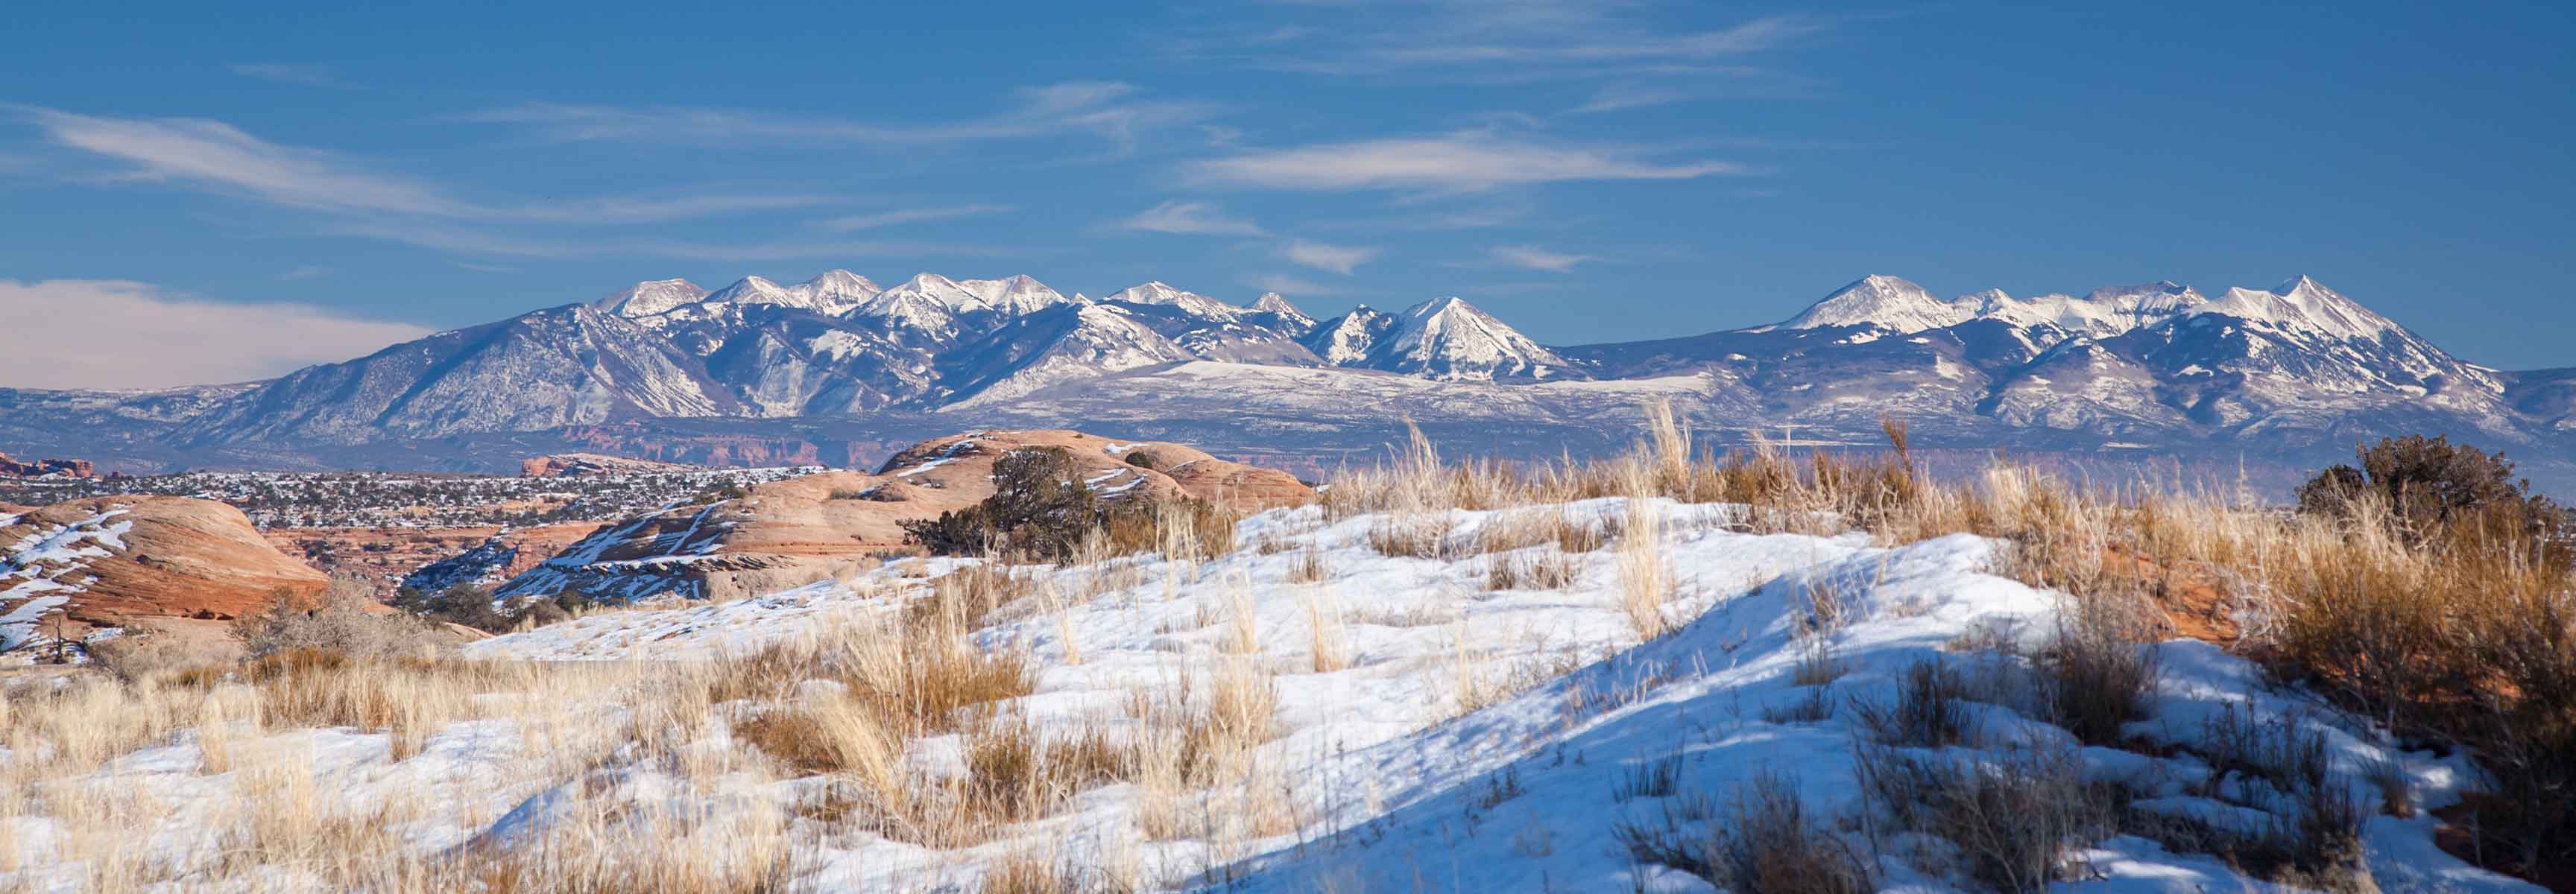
x=2426, y=485
x=1039, y=508
x=338, y=623
x=463, y=604
x=1144, y=459
x=2099, y=675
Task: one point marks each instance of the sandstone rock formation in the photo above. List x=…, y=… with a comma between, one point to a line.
x=568, y=464
x=110, y=561
x=66, y=468
x=799, y=530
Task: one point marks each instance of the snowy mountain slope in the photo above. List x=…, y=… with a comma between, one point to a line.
x=835, y=292
x=645, y=299
x=1449, y=339
x=1886, y=302
x=1493, y=739
x=1293, y=318
x=1349, y=339
x=1069, y=343
x=1192, y=303
x=561, y=366
x=1444, y=338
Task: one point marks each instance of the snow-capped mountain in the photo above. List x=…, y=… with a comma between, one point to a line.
x=1347, y=340
x=1886, y=302
x=1444, y=338
x=645, y=299
x=2294, y=370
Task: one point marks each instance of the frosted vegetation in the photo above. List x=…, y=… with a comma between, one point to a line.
x=1665, y=671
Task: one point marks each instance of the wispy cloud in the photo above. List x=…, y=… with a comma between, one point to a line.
x=308, y=271
x=1106, y=109
x=218, y=156
x=1336, y=258
x=1531, y=257
x=1191, y=218
x=1463, y=161
x=910, y=215
x=164, y=339
x=1612, y=46
x=1509, y=40
x=1285, y=284
x=1619, y=97
x=215, y=154
x=286, y=73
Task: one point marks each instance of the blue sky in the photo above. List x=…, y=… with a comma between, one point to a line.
x=304, y=184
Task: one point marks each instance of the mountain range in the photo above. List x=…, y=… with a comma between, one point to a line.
x=2288, y=375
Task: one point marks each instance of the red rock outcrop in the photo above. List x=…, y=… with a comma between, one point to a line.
x=66, y=468
x=799, y=530
x=111, y=561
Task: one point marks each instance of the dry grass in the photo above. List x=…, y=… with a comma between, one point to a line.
x=1548, y=570
x=1309, y=568
x=2466, y=634
x=1328, y=646
x=1412, y=536
x=1645, y=572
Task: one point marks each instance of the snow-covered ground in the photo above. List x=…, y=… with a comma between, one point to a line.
x=1478, y=740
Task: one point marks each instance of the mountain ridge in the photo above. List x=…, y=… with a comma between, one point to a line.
x=2267, y=371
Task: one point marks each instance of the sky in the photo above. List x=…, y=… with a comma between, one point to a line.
x=232, y=193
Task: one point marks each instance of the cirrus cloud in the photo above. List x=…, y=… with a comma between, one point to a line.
x=1455, y=162
x=1336, y=258
x=1531, y=257
x=1193, y=219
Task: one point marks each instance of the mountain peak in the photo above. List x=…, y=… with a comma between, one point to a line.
x=1193, y=303
x=1884, y=301
x=650, y=297
x=1447, y=338
x=835, y=292
x=2301, y=303
x=1278, y=305
x=753, y=289
x=1014, y=294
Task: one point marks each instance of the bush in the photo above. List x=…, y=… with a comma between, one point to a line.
x=1144, y=459
x=463, y=604
x=1039, y=508
x=337, y=623
x=2426, y=486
